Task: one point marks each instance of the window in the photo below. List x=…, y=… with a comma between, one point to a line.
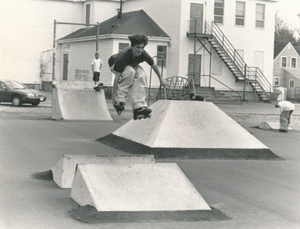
x=276, y=81
x=122, y=46
x=240, y=13
x=283, y=62
x=292, y=84
x=161, y=51
x=260, y=16
x=219, y=11
x=87, y=13
x=293, y=62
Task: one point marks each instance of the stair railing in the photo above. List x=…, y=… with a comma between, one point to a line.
x=233, y=91
x=252, y=73
x=226, y=45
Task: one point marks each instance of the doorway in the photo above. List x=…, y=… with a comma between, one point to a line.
x=196, y=18
x=194, y=68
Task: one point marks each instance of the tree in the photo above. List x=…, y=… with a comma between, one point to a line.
x=282, y=31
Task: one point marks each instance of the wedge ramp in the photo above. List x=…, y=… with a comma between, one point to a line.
x=136, y=187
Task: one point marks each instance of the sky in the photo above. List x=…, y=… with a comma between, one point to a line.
x=288, y=10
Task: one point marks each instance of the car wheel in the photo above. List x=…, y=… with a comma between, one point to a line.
x=35, y=104
x=16, y=101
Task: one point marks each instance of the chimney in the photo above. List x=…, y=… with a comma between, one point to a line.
x=120, y=10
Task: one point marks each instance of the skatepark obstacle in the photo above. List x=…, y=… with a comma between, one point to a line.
x=78, y=101
x=270, y=126
x=64, y=170
x=188, y=129
x=135, y=187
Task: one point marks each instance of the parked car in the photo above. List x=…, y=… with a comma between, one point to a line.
x=17, y=94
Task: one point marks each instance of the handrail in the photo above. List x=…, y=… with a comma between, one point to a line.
x=161, y=74
x=222, y=40
x=247, y=72
x=226, y=86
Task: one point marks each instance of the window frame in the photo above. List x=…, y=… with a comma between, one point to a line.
x=276, y=81
x=217, y=15
x=162, y=53
x=240, y=17
x=291, y=80
x=87, y=14
x=282, y=62
x=264, y=16
x=292, y=62
x=123, y=43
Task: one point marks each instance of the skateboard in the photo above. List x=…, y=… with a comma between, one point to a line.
x=99, y=87
x=119, y=107
x=143, y=112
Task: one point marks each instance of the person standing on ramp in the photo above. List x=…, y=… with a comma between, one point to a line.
x=96, y=68
x=129, y=76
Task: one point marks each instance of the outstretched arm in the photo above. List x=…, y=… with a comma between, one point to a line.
x=162, y=81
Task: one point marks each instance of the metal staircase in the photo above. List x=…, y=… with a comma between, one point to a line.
x=235, y=62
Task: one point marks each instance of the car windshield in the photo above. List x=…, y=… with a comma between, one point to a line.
x=15, y=85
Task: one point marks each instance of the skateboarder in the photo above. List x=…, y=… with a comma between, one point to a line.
x=129, y=76
x=96, y=68
x=286, y=110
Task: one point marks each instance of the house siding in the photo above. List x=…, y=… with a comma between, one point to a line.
x=28, y=26
x=291, y=91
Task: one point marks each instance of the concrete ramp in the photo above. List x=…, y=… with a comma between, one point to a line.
x=64, y=171
x=270, y=126
x=79, y=105
x=189, y=129
x=136, y=187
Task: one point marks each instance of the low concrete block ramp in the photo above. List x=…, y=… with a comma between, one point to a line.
x=64, y=171
x=189, y=129
x=136, y=187
x=270, y=126
x=70, y=104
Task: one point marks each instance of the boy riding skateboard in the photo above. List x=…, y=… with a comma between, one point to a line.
x=129, y=76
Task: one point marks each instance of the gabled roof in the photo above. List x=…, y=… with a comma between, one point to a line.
x=130, y=23
x=279, y=46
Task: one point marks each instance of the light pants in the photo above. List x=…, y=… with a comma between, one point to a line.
x=285, y=119
x=133, y=80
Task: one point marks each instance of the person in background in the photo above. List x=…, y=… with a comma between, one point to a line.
x=286, y=110
x=196, y=97
x=96, y=68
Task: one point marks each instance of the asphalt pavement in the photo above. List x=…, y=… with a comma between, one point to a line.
x=250, y=193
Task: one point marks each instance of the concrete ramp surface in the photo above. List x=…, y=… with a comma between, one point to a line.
x=187, y=129
x=79, y=105
x=64, y=171
x=136, y=187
